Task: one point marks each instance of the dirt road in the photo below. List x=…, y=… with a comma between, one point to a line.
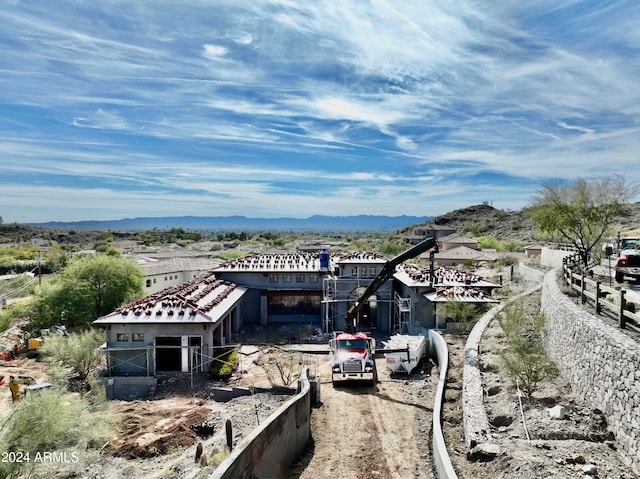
x=363, y=432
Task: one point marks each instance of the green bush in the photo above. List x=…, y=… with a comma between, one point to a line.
x=50, y=420
x=79, y=351
x=224, y=365
x=525, y=361
x=391, y=248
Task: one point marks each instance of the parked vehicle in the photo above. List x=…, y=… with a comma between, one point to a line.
x=628, y=263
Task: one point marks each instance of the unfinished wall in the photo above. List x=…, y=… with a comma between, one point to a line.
x=552, y=258
x=129, y=388
x=274, y=445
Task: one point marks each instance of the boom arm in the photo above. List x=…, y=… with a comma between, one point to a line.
x=388, y=270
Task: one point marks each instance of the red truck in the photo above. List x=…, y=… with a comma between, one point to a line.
x=353, y=357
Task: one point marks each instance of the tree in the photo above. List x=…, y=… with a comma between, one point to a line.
x=89, y=287
x=525, y=360
x=582, y=212
x=79, y=351
x=391, y=248
x=51, y=420
x=460, y=313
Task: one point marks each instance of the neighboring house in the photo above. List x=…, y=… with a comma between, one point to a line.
x=463, y=254
x=428, y=230
x=125, y=246
x=454, y=240
x=164, y=272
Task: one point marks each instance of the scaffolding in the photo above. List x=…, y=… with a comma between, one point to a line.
x=340, y=292
x=403, y=314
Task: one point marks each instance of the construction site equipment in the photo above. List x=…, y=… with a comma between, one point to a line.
x=388, y=270
x=399, y=359
x=353, y=357
x=30, y=384
x=354, y=351
x=29, y=346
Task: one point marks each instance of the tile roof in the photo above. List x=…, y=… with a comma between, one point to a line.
x=154, y=266
x=361, y=257
x=461, y=253
x=415, y=275
x=204, y=299
x=461, y=294
x=302, y=262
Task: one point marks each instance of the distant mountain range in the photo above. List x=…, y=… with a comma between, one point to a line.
x=363, y=223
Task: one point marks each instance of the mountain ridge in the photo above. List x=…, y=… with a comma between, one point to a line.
x=368, y=223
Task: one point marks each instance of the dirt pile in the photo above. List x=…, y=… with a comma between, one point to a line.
x=153, y=428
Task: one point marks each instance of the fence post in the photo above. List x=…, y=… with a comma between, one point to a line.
x=621, y=319
x=582, y=299
x=597, y=297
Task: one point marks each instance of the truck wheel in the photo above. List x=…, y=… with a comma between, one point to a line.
x=619, y=277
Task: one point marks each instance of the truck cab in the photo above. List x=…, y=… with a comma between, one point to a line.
x=628, y=263
x=353, y=357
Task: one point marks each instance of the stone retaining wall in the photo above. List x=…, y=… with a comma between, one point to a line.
x=601, y=363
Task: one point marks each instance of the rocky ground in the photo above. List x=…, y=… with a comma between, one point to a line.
x=526, y=441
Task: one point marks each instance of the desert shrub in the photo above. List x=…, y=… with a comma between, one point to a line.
x=525, y=360
x=224, y=364
x=391, y=248
x=50, y=420
x=500, y=214
x=79, y=351
x=282, y=368
x=504, y=261
x=460, y=313
x=512, y=246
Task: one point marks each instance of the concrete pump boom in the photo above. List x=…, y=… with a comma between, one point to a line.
x=389, y=268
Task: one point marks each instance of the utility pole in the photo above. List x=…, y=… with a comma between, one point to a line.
x=39, y=269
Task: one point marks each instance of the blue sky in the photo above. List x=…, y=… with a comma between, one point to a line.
x=118, y=109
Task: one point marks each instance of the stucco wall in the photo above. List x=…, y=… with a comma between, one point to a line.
x=601, y=362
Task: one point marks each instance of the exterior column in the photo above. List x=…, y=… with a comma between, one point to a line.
x=264, y=315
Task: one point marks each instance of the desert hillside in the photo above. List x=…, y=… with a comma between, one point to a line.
x=485, y=220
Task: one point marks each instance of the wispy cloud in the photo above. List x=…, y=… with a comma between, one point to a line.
x=283, y=107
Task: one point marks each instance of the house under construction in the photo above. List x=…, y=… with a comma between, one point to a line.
x=180, y=328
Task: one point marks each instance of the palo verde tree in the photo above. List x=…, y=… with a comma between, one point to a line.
x=89, y=287
x=582, y=212
x=525, y=360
